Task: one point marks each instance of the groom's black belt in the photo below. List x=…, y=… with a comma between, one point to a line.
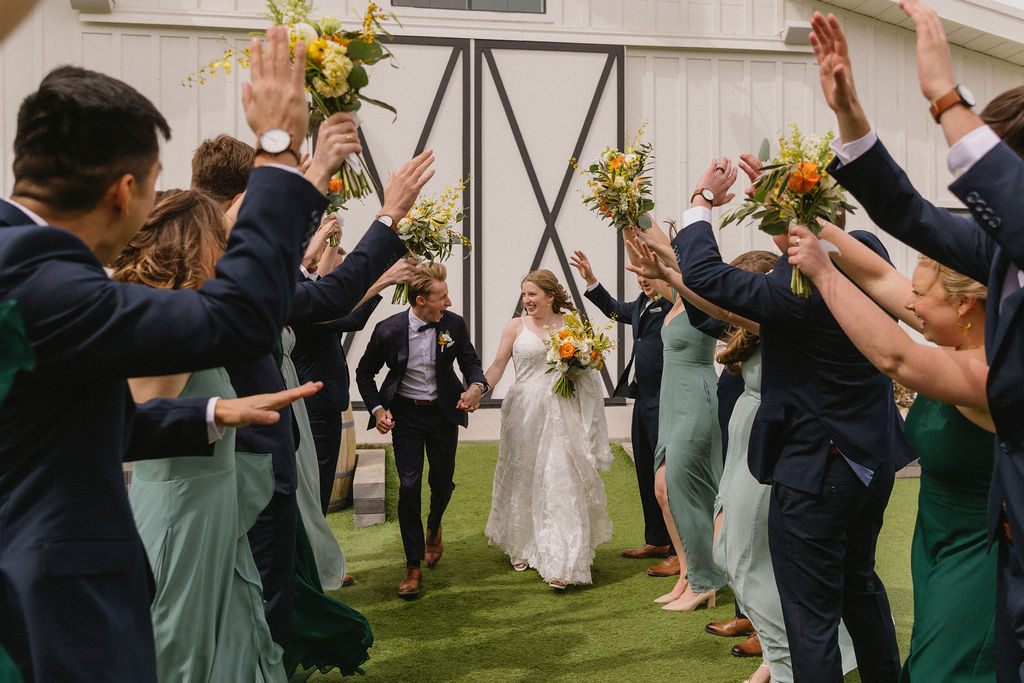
x=419, y=401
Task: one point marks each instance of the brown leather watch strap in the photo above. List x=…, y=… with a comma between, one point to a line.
x=945, y=102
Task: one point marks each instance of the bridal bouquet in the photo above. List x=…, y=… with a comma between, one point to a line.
x=795, y=188
x=336, y=62
x=619, y=185
x=428, y=231
x=573, y=349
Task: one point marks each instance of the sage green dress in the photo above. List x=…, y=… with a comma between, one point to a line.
x=193, y=513
x=954, y=573
x=690, y=445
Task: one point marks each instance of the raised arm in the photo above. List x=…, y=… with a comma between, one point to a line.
x=941, y=373
x=504, y=354
x=596, y=293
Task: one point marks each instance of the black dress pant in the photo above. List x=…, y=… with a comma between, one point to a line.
x=418, y=429
x=645, y=438
x=325, y=421
x=272, y=540
x=823, y=553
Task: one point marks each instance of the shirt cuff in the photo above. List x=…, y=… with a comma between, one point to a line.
x=695, y=214
x=848, y=151
x=591, y=288
x=308, y=275
x=969, y=149
x=213, y=431
x=375, y=409
x=285, y=167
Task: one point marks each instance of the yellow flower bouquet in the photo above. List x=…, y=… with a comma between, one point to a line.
x=795, y=188
x=575, y=348
x=429, y=233
x=620, y=185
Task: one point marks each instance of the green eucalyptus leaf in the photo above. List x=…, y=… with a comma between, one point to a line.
x=764, y=152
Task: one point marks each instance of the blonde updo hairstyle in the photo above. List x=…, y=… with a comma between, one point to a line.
x=549, y=284
x=956, y=285
x=176, y=247
x=740, y=344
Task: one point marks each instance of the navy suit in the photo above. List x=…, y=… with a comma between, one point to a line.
x=647, y=359
x=982, y=247
x=434, y=428
x=74, y=594
x=821, y=401
x=272, y=538
x=319, y=356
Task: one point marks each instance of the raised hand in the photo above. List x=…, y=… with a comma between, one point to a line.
x=336, y=140
x=400, y=272
x=276, y=97
x=806, y=253
x=259, y=408
x=934, y=62
x=719, y=176
x=317, y=243
x=404, y=187
x=750, y=165
x=580, y=261
x=836, y=75
x=645, y=262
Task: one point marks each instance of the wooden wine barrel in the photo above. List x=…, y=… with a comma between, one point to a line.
x=341, y=492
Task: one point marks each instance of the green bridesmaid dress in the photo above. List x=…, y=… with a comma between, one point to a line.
x=954, y=573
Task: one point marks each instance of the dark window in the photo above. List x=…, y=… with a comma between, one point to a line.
x=533, y=6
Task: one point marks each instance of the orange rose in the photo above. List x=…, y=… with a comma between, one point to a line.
x=566, y=350
x=594, y=355
x=805, y=177
x=564, y=334
x=616, y=163
x=337, y=185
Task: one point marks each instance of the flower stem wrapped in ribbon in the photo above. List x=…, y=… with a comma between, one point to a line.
x=795, y=188
x=620, y=185
x=428, y=231
x=575, y=348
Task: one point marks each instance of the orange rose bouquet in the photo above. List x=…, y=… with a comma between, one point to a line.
x=576, y=348
x=794, y=188
x=620, y=184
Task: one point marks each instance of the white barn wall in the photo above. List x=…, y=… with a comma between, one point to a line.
x=709, y=77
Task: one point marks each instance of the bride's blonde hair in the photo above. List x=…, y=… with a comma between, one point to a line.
x=549, y=284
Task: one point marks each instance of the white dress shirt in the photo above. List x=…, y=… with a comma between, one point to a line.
x=420, y=381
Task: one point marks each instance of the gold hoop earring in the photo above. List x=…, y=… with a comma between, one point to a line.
x=963, y=328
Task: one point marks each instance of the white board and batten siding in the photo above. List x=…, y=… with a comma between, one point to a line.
x=708, y=77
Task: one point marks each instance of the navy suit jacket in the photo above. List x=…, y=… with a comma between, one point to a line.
x=816, y=388
x=389, y=345
x=74, y=593
x=648, y=350
x=328, y=298
x=982, y=247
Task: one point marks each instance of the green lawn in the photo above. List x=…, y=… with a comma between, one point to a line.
x=478, y=620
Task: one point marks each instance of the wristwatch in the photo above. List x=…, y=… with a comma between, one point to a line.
x=706, y=193
x=958, y=95
x=276, y=141
x=386, y=220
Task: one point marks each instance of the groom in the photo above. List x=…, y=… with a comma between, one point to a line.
x=423, y=402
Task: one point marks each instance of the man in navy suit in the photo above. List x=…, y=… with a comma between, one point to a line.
x=988, y=247
x=73, y=577
x=826, y=436
x=422, y=402
x=640, y=380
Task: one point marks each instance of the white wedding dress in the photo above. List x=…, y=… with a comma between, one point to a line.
x=548, y=502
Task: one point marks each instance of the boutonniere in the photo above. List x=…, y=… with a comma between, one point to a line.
x=444, y=339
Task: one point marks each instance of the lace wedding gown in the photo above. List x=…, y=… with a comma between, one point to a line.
x=548, y=501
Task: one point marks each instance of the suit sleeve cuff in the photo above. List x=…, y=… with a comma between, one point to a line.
x=214, y=432
x=969, y=149
x=848, y=151
x=696, y=214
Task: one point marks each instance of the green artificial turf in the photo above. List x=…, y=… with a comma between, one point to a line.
x=478, y=620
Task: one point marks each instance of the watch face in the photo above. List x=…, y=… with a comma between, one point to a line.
x=386, y=220
x=708, y=194
x=275, y=140
x=966, y=95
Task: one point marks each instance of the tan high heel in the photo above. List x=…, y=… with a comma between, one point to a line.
x=670, y=596
x=688, y=604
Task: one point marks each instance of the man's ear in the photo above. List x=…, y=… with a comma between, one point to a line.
x=121, y=192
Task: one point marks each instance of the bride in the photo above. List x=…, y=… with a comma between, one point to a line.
x=548, y=502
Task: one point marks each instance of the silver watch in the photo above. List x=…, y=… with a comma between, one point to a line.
x=386, y=220
x=275, y=141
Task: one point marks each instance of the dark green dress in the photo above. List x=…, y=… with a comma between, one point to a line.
x=954, y=574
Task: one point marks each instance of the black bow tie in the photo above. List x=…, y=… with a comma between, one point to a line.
x=426, y=327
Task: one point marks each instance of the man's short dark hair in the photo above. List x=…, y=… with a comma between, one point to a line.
x=78, y=134
x=221, y=167
x=1005, y=114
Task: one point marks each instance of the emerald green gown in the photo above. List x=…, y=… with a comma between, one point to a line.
x=953, y=572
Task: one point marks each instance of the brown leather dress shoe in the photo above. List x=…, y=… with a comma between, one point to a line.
x=751, y=647
x=409, y=588
x=434, y=548
x=645, y=553
x=730, y=629
x=669, y=567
